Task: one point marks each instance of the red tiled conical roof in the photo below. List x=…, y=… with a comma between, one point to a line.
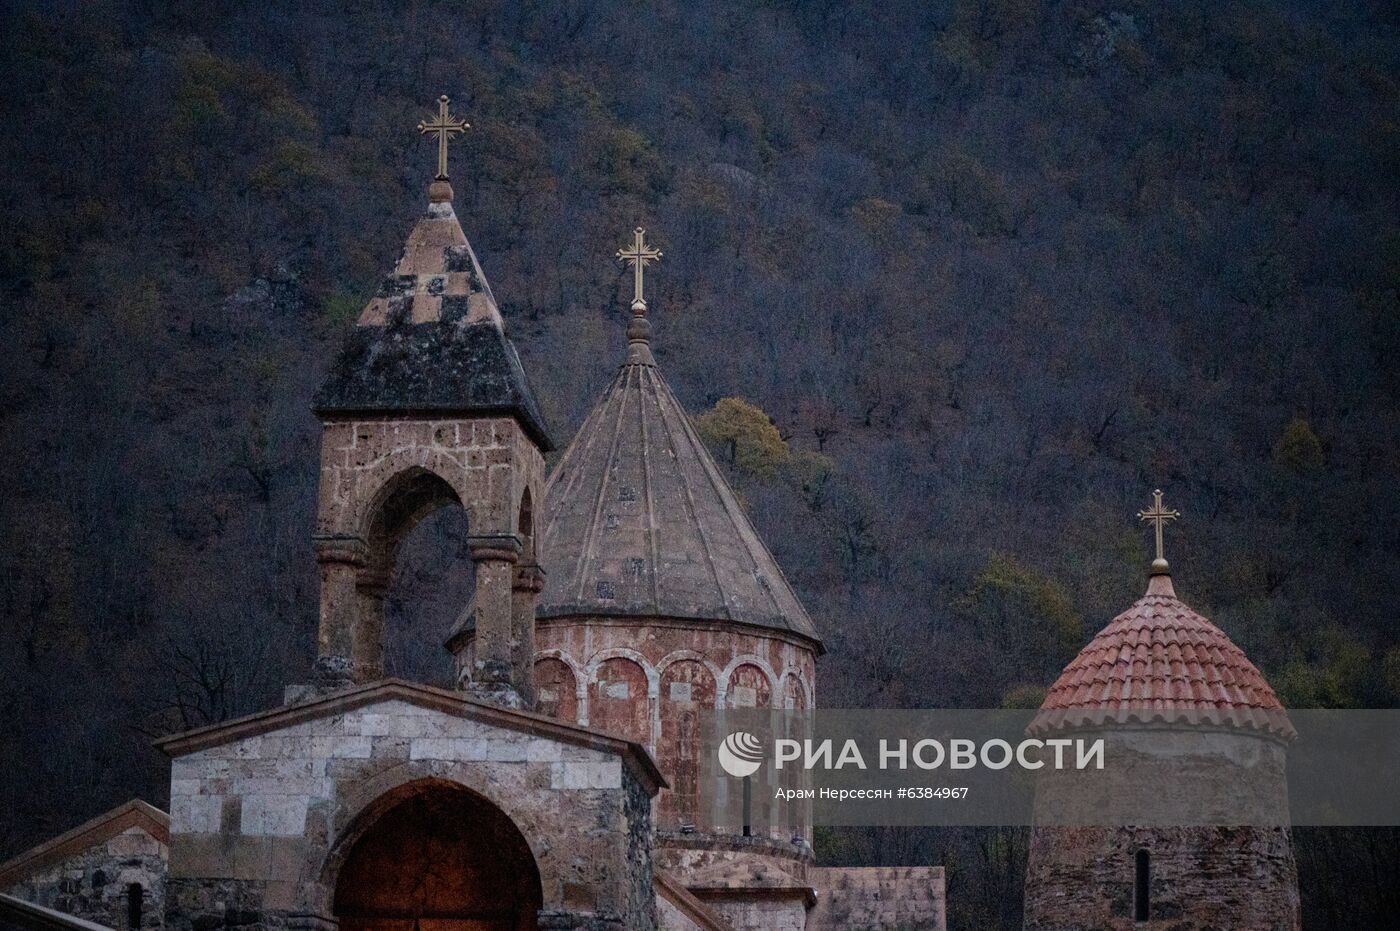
x=1159, y=661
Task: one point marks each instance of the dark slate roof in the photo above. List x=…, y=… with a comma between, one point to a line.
x=639, y=521
x=432, y=340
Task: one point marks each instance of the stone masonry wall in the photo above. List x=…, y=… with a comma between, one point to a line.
x=1206, y=877
x=878, y=899
x=489, y=463
x=760, y=913
x=641, y=678
x=95, y=883
x=1201, y=879
x=260, y=825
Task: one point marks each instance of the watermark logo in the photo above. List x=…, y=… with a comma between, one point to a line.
x=740, y=754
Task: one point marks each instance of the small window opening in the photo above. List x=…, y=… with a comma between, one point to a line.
x=134, y=900
x=1142, y=885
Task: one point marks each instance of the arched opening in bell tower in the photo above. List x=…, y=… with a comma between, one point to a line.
x=417, y=576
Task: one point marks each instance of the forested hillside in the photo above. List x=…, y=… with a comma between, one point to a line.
x=983, y=273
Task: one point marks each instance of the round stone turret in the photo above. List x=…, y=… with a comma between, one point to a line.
x=1161, y=677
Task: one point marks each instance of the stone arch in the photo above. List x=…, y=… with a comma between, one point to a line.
x=386, y=476
x=433, y=852
x=556, y=688
x=564, y=657
x=414, y=490
x=603, y=656
x=748, y=672
x=620, y=689
x=795, y=695
x=401, y=502
x=677, y=655
x=355, y=572
x=689, y=687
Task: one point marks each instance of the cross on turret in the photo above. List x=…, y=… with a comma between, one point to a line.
x=1158, y=516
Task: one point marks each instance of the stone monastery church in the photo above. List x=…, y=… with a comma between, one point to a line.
x=556, y=787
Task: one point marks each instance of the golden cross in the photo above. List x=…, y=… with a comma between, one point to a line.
x=639, y=257
x=1158, y=516
x=444, y=126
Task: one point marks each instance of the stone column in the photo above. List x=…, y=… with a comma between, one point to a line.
x=340, y=560
x=367, y=636
x=525, y=590
x=492, y=676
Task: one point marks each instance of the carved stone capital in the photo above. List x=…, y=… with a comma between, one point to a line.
x=500, y=548
x=348, y=550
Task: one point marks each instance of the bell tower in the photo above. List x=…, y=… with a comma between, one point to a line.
x=427, y=406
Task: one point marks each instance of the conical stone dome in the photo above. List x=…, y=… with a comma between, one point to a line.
x=639, y=521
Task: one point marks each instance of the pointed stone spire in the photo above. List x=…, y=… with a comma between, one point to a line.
x=638, y=520
x=432, y=338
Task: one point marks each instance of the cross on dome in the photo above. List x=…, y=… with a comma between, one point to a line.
x=1158, y=515
x=639, y=256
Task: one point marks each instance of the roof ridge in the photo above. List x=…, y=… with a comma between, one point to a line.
x=653, y=526
x=685, y=901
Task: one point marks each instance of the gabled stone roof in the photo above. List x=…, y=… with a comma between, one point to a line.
x=104, y=827
x=639, y=521
x=633, y=754
x=432, y=339
x=1159, y=661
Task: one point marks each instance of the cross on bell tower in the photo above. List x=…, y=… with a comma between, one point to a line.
x=444, y=126
x=1159, y=515
x=430, y=390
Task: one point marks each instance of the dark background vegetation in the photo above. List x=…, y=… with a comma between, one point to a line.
x=994, y=270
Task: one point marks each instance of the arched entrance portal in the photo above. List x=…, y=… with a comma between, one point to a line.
x=439, y=859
